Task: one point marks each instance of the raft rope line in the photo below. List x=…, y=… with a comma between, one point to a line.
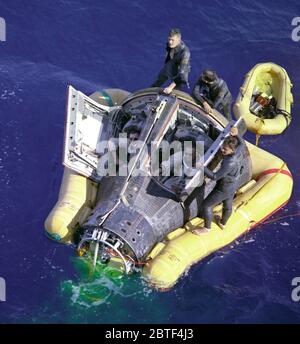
x=280, y=218
x=257, y=136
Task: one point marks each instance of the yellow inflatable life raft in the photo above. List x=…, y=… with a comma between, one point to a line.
x=262, y=83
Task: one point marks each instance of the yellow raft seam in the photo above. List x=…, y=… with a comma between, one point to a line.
x=245, y=215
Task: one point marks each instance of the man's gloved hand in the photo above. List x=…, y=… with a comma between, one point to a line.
x=234, y=131
x=170, y=88
x=207, y=107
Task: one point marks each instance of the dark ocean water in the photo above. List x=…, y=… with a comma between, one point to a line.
x=99, y=44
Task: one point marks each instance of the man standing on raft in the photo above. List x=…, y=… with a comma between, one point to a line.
x=177, y=64
x=225, y=188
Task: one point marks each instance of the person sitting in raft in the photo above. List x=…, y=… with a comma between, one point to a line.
x=225, y=188
x=212, y=92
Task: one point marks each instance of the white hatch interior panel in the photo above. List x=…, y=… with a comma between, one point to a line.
x=87, y=124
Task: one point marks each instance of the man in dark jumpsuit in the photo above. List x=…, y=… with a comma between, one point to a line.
x=177, y=64
x=212, y=92
x=226, y=186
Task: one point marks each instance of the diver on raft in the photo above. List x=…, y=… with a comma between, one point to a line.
x=226, y=186
x=177, y=64
x=212, y=92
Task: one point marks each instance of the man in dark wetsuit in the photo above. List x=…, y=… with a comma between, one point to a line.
x=226, y=186
x=177, y=64
x=212, y=92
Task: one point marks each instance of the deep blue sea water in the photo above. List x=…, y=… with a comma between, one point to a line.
x=95, y=44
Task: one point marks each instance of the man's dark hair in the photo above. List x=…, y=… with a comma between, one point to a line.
x=232, y=142
x=209, y=75
x=174, y=32
x=134, y=131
